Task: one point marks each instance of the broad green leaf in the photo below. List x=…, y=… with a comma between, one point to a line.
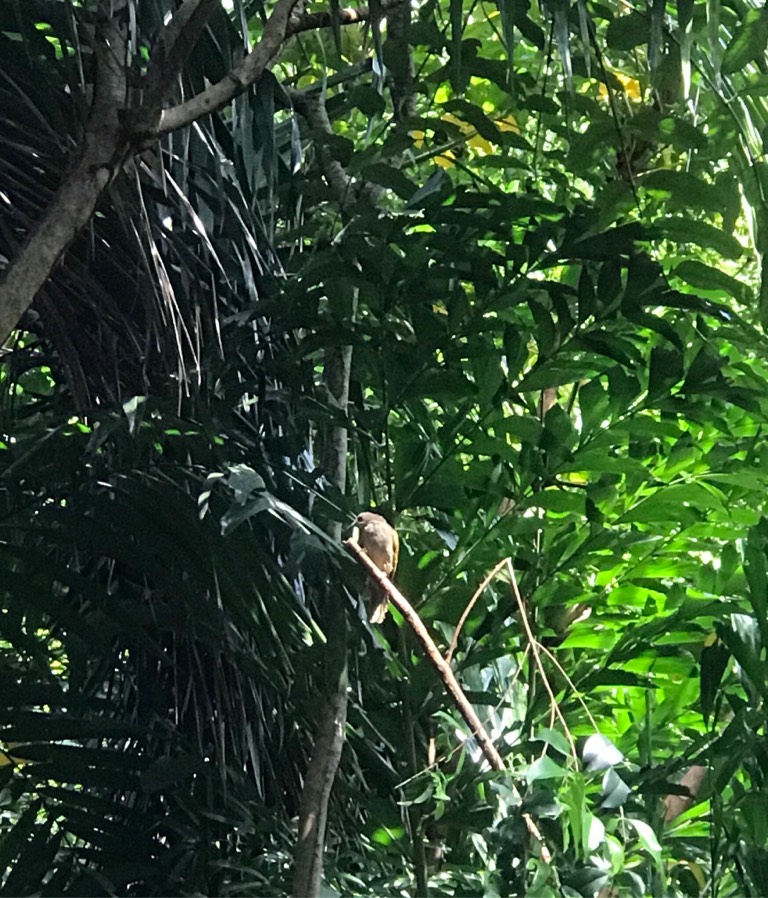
x=684, y=229
x=757, y=578
x=763, y=295
x=704, y=277
x=554, y=738
x=628, y=31
x=685, y=189
x=558, y=372
x=682, y=502
x=647, y=837
x=741, y=636
x=558, y=500
x=391, y=178
x=748, y=43
x=543, y=769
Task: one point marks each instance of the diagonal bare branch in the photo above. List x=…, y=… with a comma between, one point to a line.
x=348, y=15
x=239, y=79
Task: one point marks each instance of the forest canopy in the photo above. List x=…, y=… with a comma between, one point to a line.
x=493, y=270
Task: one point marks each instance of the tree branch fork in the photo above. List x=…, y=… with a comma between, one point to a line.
x=443, y=668
x=116, y=129
x=433, y=653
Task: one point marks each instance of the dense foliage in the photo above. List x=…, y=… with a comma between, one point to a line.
x=546, y=254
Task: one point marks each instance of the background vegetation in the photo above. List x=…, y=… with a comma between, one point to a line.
x=534, y=235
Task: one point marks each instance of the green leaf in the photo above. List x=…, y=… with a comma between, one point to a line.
x=742, y=637
x=757, y=578
x=628, y=31
x=367, y=99
x=684, y=229
x=34, y=862
x=683, y=503
x=554, y=738
x=609, y=282
x=391, y=178
x=543, y=769
x=647, y=837
x=763, y=298
x=472, y=113
x=704, y=277
x=682, y=134
x=685, y=189
x=559, y=372
x=557, y=500
x=666, y=370
x=748, y=43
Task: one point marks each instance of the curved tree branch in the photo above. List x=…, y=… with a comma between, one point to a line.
x=348, y=15
x=172, y=49
x=114, y=132
x=238, y=79
x=312, y=107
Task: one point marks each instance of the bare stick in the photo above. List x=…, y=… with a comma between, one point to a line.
x=570, y=682
x=470, y=605
x=554, y=707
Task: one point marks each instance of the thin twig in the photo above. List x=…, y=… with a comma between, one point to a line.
x=570, y=682
x=470, y=605
x=555, y=708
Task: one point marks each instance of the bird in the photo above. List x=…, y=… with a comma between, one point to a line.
x=381, y=544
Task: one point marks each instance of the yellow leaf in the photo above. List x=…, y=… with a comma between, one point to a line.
x=631, y=86
x=480, y=143
x=7, y=760
x=507, y=124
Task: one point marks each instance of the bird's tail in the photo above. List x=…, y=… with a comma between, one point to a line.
x=377, y=603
